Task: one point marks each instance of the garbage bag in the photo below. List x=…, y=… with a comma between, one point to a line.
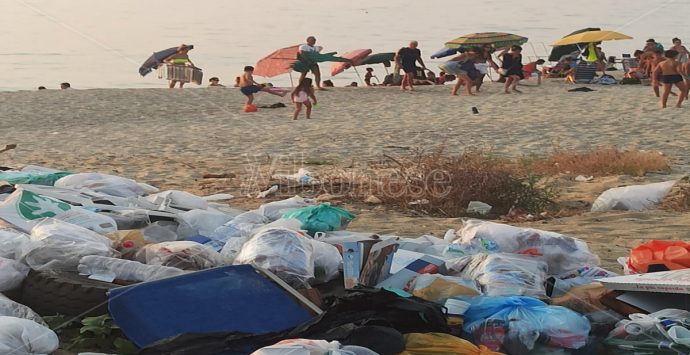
x=24, y=209
x=58, y=246
x=562, y=253
x=661, y=332
x=20, y=336
x=11, y=308
x=185, y=255
x=632, y=198
x=321, y=218
x=282, y=251
x=11, y=243
x=659, y=255
x=327, y=261
x=503, y=274
x=32, y=177
x=441, y=344
x=515, y=324
x=202, y=222
x=107, y=184
x=12, y=273
x=232, y=247
x=439, y=288
x=275, y=210
x=127, y=270
x=300, y=347
x=178, y=199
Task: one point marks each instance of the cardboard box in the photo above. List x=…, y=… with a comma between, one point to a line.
x=676, y=281
x=367, y=262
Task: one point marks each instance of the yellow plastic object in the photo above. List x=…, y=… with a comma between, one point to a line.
x=441, y=344
x=440, y=289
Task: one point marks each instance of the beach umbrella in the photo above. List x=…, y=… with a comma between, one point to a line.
x=558, y=52
x=379, y=58
x=155, y=60
x=308, y=59
x=355, y=58
x=591, y=37
x=497, y=39
x=444, y=52
x=278, y=62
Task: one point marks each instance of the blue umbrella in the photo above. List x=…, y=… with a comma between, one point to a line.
x=444, y=52
x=155, y=60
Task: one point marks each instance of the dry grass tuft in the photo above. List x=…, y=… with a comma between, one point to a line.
x=601, y=162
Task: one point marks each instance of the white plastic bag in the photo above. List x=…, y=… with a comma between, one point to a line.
x=177, y=199
x=121, y=269
x=11, y=308
x=12, y=273
x=185, y=255
x=11, y=243
x=107, y=184
x=24, y=209
x=57, y=245
x=20, y=336
x=503, y=274
x=562, y=253
x=282, y=251
x=632, y=198
x=300, y=347
x=204, y=222
x=327, y=261
x=275, y=210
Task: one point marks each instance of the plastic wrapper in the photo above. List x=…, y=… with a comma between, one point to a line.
x=107, y=184
x=440, y=343
x=58, y=246
x=438, y=288
x=12, y=273
x=232, y=247
x=185, y=255
x=321, y=218
x=32, y=177
x=11, y=308
x=562, y=253
x=504, y=274
x=284, y=252
x=515, y=324
x=635, y=197
x=663, y=332
x=327, y=261
x=20, y=336
x=312, y=347
x=127, y=270
x=11, y=243
x=275, y=210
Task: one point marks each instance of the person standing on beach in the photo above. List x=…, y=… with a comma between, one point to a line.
x=181, y=57
x=684, y=54
x=311, y=47
x=651, y=45
x=406, y=59
x=670, y=73
x=249, y=87
x=512, y=67
x=301, y=95
x=657, y=58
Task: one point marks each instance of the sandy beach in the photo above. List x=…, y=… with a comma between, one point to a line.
x=171, y=138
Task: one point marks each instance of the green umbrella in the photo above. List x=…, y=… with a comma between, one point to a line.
x=307, y=60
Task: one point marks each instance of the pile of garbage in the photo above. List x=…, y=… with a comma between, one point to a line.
x=186, y=274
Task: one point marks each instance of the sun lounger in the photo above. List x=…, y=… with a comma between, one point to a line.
x=584, y=73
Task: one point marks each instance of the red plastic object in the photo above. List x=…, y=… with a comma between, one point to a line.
x=660, y=255
x=250, y=108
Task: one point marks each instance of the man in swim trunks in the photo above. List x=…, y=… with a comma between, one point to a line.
x=653, y=63
x=669, y=72
x=407, y=58
x=249, y=87
x=311, y=47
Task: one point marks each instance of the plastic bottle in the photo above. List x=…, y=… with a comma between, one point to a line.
x=125, y=269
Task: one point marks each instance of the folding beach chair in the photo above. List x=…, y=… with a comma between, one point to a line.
x=584, y=73
x=629, y=63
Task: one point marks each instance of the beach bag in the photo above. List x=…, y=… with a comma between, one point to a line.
x=630, y=81
x=607, y=80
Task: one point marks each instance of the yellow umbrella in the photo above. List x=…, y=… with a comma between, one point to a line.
x=591, y=36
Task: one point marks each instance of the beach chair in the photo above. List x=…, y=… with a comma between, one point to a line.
x=629, y=63
x=182, y=73
x=584, y=73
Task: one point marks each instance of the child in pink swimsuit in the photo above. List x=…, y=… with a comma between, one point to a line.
x=301, y=95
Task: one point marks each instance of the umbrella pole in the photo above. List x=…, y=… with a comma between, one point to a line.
x=292, y=84
x=359, y=76
x=386, y=69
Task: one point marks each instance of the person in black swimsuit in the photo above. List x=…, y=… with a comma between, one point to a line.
x=512, y=67
x=669, y=73
x=407, y=59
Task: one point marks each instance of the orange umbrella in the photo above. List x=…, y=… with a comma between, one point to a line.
x=278, y=62
x=355, y=58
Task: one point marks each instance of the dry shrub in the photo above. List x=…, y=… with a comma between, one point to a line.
x=678, y=199
x=600, y=163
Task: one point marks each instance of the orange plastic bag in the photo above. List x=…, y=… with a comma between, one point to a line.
x=441, y=344
x=660, y=255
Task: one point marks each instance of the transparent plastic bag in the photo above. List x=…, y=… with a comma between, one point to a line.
x=185, y=255
x=560, y=252
x=127, y=270
x=300, y=347
x=11, y=308
x=643, y=332
x=12, y=273
x=11, y=243
x=503, y=274
x=58, y=246
x=515, y=324
x=275, y=210
x=327, y=261
x=177, y=199
x=203, y=222
x=20, y=336
x=284, y=252
x=107, y=184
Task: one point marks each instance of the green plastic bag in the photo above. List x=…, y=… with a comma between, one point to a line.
x=321, y=218
x=32, y=177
